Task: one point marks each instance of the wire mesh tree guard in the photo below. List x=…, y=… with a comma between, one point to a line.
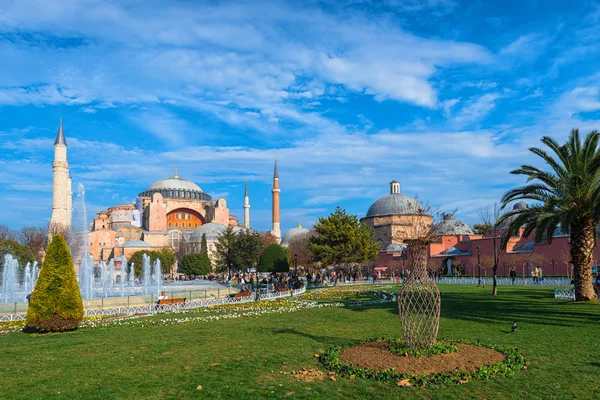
x=419, y=300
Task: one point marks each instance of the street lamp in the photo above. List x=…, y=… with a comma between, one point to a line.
x=256, y=274
x=479, y=265
x=295, y=264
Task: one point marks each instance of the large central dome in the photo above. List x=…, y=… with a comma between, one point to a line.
x=394, y=203
x=177, y=188
x=175, y=183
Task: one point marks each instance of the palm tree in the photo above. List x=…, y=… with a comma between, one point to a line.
x=568, y=197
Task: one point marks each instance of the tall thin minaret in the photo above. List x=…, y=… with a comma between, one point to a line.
x=246, y=208
x=276, y=230
x=62, y=195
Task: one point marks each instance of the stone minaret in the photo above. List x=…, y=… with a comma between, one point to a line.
x=62, y=195
x=246, y=208
x=276, y=230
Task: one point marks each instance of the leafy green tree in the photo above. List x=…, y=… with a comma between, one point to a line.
x=22, y=253
x=247, y=249
x=341, y=240
x=274, y=259
x=55, y=303
x=195, y=264
x=480, y=229
x=225, y=250
x=566, y=195
x=203, y=245
x=166, y=257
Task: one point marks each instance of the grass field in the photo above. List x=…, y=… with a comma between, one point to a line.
x=233, y=359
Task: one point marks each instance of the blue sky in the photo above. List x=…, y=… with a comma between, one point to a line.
x=444, y=96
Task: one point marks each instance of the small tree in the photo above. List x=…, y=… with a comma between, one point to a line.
x=489, y=215
x=247, y=249
x=267, y=239
x=274, y=259
x=298, y=246
x=55, y=303
x=7, y=233
x=166, y=257
x=342, y=239
x=195, y=264
x=224, y=250
x=204, y=246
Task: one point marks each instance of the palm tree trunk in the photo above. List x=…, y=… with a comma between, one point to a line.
x=583, y=241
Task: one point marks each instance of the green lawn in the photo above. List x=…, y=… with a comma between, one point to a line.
x=233, y=359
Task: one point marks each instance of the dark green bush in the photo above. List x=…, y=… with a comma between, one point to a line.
x=274, y=259
x=195, y=264
x=55, y=303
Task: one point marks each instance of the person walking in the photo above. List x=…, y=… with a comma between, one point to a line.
x=540, y=276
x=536, y=279
x=513, y=275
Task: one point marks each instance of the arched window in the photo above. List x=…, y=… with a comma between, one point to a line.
x=119, y=234
x=170, y=224
x=189, y=224
x=176, y=224
x=128, y=233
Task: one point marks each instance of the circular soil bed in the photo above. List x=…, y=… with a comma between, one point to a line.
x=373, y=360
x=377, y=355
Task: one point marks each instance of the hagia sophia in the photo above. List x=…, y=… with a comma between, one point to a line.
x=175, y=209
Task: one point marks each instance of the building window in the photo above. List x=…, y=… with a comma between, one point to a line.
x=174, y=239
x=170, y=224
x=119, y=234
x=176, y=224
x=128, y=234
x=189, y=224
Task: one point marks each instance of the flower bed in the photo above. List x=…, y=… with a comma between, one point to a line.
x=226, y=311
x=512, y=361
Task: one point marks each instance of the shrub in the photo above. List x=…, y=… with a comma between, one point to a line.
x=195, y=264
x=55, y=303
x=274, y=259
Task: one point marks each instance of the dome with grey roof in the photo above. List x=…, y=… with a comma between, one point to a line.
x=135, y=243
x=176, y=187
x=395, y=248
x=394, y=203
x=451, y=226
x=521, y=205
x=293, y=233
x=212, y=230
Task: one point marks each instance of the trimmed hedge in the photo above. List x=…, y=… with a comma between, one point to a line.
x=55, y=303
x=274, y=259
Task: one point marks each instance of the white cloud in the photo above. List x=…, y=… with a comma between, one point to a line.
x=476, y=109
x=580, y=99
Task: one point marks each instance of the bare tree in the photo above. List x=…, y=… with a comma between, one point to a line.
x=6, y=233
x=488, y=215
x=299, y=251
x=565, y=257
x=34, y=237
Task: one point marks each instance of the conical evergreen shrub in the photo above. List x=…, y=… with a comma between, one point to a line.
x=55, y=303
x=274, y=259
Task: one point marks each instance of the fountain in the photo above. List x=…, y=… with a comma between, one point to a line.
x=158, y=276
x=110, y=279
x=10, y=279
x=123, y=278
x=147, y=273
